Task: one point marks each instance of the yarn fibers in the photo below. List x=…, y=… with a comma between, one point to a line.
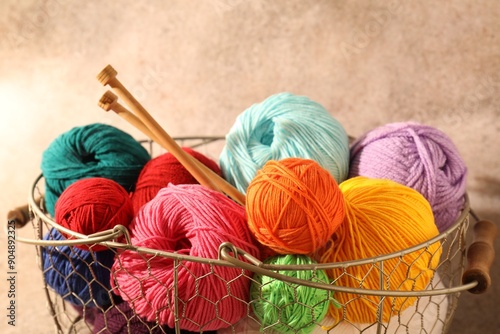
x=189, y=220
x=79, y=276
x=286, y=307
x=165, y=169
x=95, y=150
x=294, y=206
x=420, y=157
x=283, y=126
x=121, y=319
x=382, y=217
x=93, y=205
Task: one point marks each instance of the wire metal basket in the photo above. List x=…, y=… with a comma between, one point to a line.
x=431, y=312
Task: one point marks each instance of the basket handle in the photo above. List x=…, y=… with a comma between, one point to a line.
x=21, y=215
x=480, y=256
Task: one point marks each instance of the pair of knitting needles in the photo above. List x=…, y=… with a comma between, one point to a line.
x=141, y=119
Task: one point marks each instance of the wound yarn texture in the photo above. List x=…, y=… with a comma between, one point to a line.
x=294, y=206
x=282, y=126
x=93, y=205
x=121, y=319
x=80, y=277
x=420, y=157
x=165, y=169
x=190, y=220
x=286, y=307
x=94, y=150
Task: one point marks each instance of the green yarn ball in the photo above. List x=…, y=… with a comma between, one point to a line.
x=287, y=307
x=94, y=150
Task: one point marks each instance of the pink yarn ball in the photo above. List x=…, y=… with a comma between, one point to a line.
x=190, y=220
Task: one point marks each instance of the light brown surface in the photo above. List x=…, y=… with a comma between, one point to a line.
x=196, y=65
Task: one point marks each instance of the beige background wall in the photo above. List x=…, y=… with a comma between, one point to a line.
x=197, y=64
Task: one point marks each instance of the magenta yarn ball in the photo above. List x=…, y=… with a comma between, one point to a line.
x=420, y=157
x=189, y=220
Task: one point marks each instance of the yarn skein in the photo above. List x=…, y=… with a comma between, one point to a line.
x=165, y=169
x=93, y=205
x=95, y=150
x=78, y=276
x=294, y=206
x=121, y=319
x=286, y=307
x=418, y=156
x=190, y=220
x=382, y=217
x=283, y=126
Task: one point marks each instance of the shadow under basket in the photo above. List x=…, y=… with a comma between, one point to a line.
x=431, y=309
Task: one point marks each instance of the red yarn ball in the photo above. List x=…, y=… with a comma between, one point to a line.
x=165, y=169
x=93, y=205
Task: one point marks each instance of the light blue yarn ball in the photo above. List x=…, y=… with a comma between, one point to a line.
x=283, y=126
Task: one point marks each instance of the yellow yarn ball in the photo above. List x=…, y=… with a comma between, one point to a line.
x=382, y=217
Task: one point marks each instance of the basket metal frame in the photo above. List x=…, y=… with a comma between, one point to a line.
x=229, y=255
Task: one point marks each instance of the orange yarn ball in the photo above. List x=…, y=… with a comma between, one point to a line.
x=294, y=206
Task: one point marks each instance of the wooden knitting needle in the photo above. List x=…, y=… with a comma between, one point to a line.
x=109, y=101
x=108, y=77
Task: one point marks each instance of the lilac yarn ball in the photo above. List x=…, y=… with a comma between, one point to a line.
x=420, y=157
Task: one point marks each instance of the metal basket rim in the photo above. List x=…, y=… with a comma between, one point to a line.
x=231, y=257
x=86, y=239
x=226, y=259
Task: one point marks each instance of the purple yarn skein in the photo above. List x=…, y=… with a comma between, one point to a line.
x=122, y=319
x=420, y=157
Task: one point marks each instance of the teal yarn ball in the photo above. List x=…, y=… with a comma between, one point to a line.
x=94, y=150
x=287, y=307
x=283, y=126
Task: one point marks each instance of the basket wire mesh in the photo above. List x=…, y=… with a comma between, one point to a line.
x=431, y=311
